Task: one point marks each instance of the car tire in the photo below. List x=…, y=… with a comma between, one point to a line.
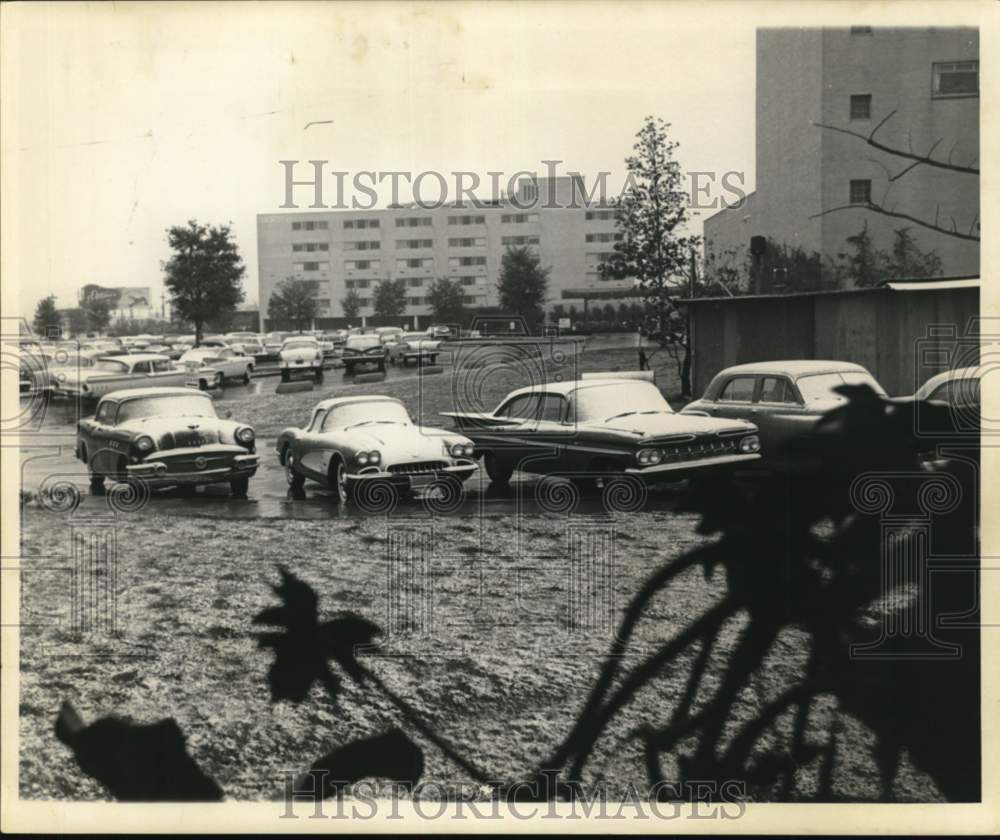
x=338, y=481
x=433, y=359
x=246, y=376
x=285, y=376
x=202, y=385
x=381, y=366
x=295, y=480
x=319, y=375
x=498, y=471
x=96, y=484
x=239, y=486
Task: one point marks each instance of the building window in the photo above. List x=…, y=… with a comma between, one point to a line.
x=861, y=106
x=360, y=224
x=466, y=220
x=466, y=261
x=861, y=30
x=415, y=301
x=466, y=242
x=519, y=240
x=414, y=221
x=311, y=266
x=468, y=281
x=363, y=265
x=861, y=192
x=309, y=225
x=414, y=243
x=364, y=245
x=415, y=263
x=311, y=246
x=364, y=301
x=956, y=78
x=601, y=215
x=604, y=237
x=518, y=218
x=415, y=281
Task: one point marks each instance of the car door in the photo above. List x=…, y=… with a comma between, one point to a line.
x=778, y=411
x=547, y=435
x=514, y=443
x=735, y=400
x=314, y=448
x=103, y=450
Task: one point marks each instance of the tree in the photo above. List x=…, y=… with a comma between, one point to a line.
x=911, y=160
x=47, y=318
x=97, y=312
x=204, y=275
x=523, y=284
x=390, y=298
x=294, y=301
x=652, y=213
x=866, y=265
x=351, y=304
x=76, y=321
x=447, y=301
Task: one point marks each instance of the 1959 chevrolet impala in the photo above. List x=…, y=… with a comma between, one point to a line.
x=594, y=429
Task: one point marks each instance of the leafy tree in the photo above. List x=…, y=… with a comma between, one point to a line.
x=294, y=302
x=866, y=265
x=447, y=301
x=76, y=321
x=47, y=318
x=97, y=312
x=204, y=275
x=390, y=298
x=523, y=284
x=908, y=260
x=624, y=314
x=351, y=304
x=558, y=311
x=609, y=313
x=652, y=214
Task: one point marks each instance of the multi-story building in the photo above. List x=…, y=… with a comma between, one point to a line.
x=346, y=250
x=915, y=91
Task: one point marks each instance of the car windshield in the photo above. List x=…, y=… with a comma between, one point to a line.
x=167, y=405
x=819, y=386
x=299, y=345
x=363, y=413
x=111, y=365
x=624, y=399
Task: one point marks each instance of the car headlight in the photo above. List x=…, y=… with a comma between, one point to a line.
x=751, y=443
x=244, y=434
x=373, y=457
x=460, y=450
x=649, y=457
x=144, y=443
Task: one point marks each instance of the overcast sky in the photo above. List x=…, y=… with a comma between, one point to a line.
x=123, y=120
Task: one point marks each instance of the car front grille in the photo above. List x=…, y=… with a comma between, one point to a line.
x=708, y=448
x=194, y=464
x=418, y=467
x=194, y=438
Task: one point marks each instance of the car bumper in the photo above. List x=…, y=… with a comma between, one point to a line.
x=461, y=471
x=184, y=465
x=676, y=471
x=310, y=364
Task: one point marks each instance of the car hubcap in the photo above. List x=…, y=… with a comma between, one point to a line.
x=342, y=482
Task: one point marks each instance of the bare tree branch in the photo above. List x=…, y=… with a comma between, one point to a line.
x=909, y=155
x=875, y=208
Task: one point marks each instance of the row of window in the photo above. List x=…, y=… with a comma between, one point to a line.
x=604, y=237
x=363, y=245
x=414, y=221
x=309, y=226
x=311, y=246
x=467, y=242
x=466, y=220
x=360, y=224
x=518, y=218
x=411, y=282
x=601, y=215
x=414, y=243
x=520, y=240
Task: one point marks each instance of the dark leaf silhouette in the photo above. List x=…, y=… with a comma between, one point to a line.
x=391, y=756
x=301, y=652
x=136, y=762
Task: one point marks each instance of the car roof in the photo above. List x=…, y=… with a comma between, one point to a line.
x=794, y=367
x=134, y=393
x=566, y=388
x=335, y=401
x=139, y=357
x=948, y=376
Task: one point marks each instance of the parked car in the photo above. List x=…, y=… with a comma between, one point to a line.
x=300, y=353
x=165, y=437
x=440, y=331
x=351, y=440
x=211, y=366
x=117, y=373
x=781, y=398
x=388, y=335
x=363, y=348
x=958, y=388
x=414, y=347
x=594, y=429
x=64, y=363
x=273, y=341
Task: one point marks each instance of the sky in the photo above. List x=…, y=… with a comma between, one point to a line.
x=120, y=120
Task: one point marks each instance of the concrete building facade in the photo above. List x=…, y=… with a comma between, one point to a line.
x=924, y=84
x=351, y=249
